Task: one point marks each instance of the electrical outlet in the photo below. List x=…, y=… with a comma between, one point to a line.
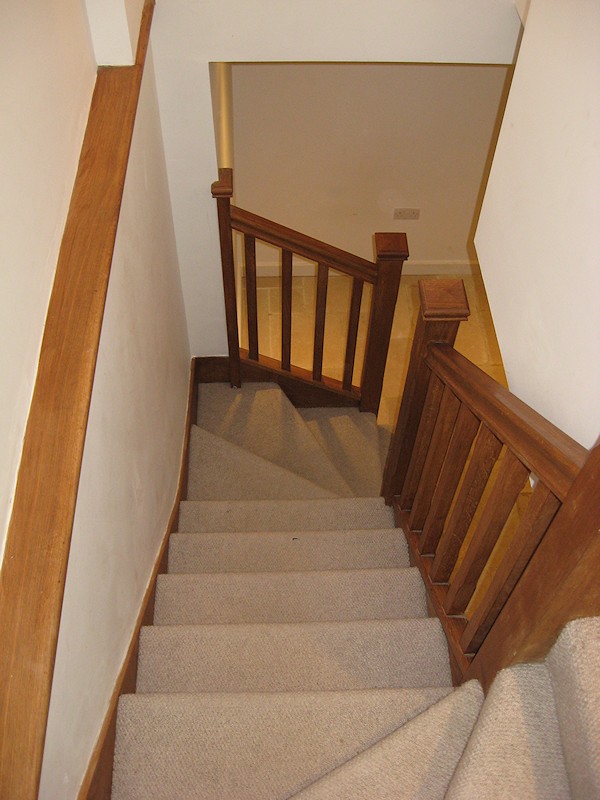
x=407, y=213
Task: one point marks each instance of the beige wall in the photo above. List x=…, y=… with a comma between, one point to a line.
x=539, y=234
x=332, y=149
x=187, y=36
x=131, y=459
x=47, y=74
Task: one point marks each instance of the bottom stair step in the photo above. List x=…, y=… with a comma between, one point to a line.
x=249, y=746
x=293, y=657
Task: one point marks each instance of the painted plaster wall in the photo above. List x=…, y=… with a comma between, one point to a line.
x=332, y=149
x=131, y=459
x=47, y=75
x=538, y=237
x=188, y=35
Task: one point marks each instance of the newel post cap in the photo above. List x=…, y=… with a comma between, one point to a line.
x=443, y=298
x=391, y=246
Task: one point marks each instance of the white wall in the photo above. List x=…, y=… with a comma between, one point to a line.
x=131, y=459
x=188, y=35
x=114, y=25
x=538, y=237
x=332, y=149
x=47, y=75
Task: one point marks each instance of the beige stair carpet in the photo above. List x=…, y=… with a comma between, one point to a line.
x=414, y=762
x=220, y=470
x=279, y=551
x=212, y=516
x=323, y=596
x=295, y=657
x=350, y=440
x=515, y=750
x=574, y=664
x=260, y=418
x=248, y=746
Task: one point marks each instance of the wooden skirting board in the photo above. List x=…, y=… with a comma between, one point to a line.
x=39, y=533
x=97, y=782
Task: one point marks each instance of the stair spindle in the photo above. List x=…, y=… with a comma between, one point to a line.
x=322, y=278
x=286, y=309
x=251, y=303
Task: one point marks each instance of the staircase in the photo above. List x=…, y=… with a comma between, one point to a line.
x=292, y=656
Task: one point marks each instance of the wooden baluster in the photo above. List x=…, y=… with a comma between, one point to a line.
x=357, y=290
x=222, y=190
x=444, y=425
x=463, y=435
x=429, y=415
x=540, y=511
x=443, y=306
x=392, y=252
x=320, y=321
x=560, y=582
x=286, y=309
x=251, y=303
x=511, y=478
x=485, y=453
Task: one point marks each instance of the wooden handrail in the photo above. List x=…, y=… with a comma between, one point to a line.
x=461, y=455
x=553, y=456
x=384, y=275
x=39, y=533
x=302, y=245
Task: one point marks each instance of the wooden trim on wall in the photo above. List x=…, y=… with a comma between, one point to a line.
x=39, y=533
x=97, y=782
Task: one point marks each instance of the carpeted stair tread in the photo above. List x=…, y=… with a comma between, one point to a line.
x=289, y=596
x=574, y=664
x=220, y=470
x=287, y=550
x=515, y=749
x=316, y=656
x=212, y=516
x=351, y=442
x=415, y=762
x=248, y=746
x=260, y=418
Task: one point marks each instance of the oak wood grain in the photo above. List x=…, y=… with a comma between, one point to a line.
x=509, y=483
x=39, y=533
x=392, y=252
x=320, y=310
x=485, y=453
x=287, y=239
x=229, y=290
x=428, y=329
x=560, y=582
x=459, y=448
x=548, y=452
x=251, y=302
x=352, y=336
x=442, y=433
x=286, y=309
x=541, y=509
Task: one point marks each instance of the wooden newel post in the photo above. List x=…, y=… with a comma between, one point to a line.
x=222, y=191
x=443, y=307
x=392, y=252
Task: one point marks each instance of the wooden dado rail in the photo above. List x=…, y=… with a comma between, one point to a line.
x=463, y=450
x=384, y=275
